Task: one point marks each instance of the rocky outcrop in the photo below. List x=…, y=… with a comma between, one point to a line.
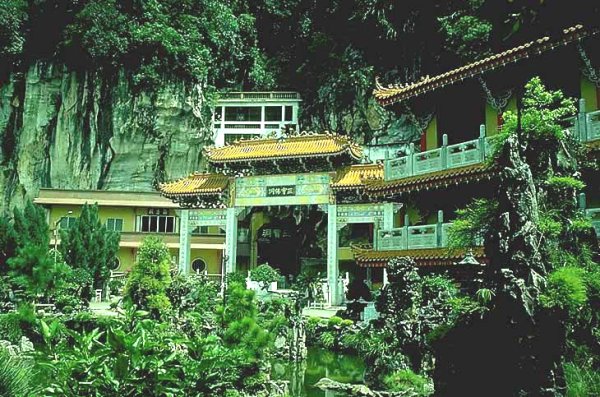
x=91, y=130
x=358, y=390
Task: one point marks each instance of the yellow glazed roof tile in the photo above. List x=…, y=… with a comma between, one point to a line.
x=357, y=176
x=196, y=184
x=297, y=146
x=396, y=93
x=367, y=257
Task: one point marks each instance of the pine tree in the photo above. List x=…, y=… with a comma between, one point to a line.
x=30, y=226
x=8, y=242
x=89, y=245
x=27, y=241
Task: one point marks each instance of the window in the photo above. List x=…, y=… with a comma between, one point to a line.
x=67, y=222
x=272, y=113
x=114, y=224
x=289, y=113
x=242, y=113
x=157, y=224
x=198, y=265
x=200, y=230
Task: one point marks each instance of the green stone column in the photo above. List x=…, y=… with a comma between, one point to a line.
x=333, y=271
x=231, y=240
x=184, y=241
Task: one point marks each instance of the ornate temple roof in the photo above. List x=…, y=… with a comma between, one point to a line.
x=444, y=178
x=397, y=93
x=290, y=147
x=196, y=184
x=356, y=176
x=367, y=257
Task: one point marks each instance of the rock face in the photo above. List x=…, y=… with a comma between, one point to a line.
x=85, y=130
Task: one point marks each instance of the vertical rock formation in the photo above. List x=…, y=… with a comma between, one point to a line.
x=86, y=130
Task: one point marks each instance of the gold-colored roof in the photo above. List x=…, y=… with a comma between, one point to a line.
x=196, y=184
x=295, y=146
x=367, y=257
x=356, y=176
x=397, y=93
x=443, y=178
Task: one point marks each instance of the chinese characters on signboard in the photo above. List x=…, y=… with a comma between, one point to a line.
x=280, y=191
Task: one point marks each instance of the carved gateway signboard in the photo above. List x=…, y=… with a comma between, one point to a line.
x=297, y=189
x=207, y=217
x=360, y=213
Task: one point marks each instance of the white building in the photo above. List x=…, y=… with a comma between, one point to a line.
x=250, y=114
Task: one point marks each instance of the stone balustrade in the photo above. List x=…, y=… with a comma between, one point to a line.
x=585, y=126
x=413, y=237
x=445, y=157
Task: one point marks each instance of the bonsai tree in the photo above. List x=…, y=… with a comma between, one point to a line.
x=150, y=278
x=265, y=275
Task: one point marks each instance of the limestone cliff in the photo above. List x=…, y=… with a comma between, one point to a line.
x=85, y=130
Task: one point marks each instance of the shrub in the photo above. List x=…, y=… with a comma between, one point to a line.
x=407, y=381
x=565, y=183
x=150, y=278
x=10, y=328
x=581, y=382
x=566, y=289
x=265, y=275
x=334, y=321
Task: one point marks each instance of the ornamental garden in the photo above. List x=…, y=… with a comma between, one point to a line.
x=294, y=263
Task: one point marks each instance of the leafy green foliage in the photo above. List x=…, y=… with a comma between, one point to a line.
x=472, y=224
x=89, y=245
x=465, y=32
x=34, y=270
x=150, y=278
x=565, y=183
x=581, y=381
x=407, y=381
x=193, y=292
x=566, y=289
x=13, y=14
x=265, y=275
x=17, y=376
x=8, y=242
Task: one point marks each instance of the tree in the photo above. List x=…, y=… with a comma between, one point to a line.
x=30, y=266
x=539, y=247
x=34, y=270
x=150, y=278
x=89, y=245
x=8, y=242
x=30, y=226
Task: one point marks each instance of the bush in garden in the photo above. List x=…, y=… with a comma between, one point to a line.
x=150, y=278
x=193, y=292
x=407, y=381
x=10, y=328
x=265, y=275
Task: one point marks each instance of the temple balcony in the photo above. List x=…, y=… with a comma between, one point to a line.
x=435, y=160
x=585, y=125
x=413, y=237
x=247, y=115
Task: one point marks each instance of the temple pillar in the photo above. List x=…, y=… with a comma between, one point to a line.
x=389, y=210
x=184, y=241
x=333, y=271
x=231, y=224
